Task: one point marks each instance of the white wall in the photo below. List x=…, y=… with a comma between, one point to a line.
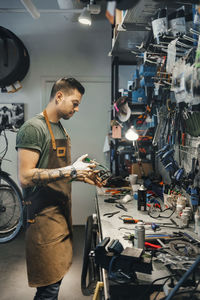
x=58, y=48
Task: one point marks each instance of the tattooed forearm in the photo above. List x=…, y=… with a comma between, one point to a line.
x=44, y=176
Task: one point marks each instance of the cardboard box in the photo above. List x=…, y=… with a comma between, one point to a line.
x=139, y=168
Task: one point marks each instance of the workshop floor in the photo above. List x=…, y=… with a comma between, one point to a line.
x=13, y=280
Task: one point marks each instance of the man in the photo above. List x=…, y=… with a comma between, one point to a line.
x=5, y=117
x=45, y=172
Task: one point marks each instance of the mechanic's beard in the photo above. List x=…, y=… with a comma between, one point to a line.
x=66, y=117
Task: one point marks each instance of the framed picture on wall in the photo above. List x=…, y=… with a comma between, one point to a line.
x=11, y=115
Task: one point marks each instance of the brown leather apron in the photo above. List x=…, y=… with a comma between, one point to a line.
x=49, y=235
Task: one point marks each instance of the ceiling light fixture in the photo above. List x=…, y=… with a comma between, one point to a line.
x=85, y=17
x=131, y=134
x=30, y=7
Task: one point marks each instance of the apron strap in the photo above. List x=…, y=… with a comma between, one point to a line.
x=64, y=130
x=50, y=130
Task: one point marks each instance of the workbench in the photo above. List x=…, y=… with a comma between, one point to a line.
x=114, y=228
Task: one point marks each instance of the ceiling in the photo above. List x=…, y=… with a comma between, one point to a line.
x=70, y=9
x=40, y=4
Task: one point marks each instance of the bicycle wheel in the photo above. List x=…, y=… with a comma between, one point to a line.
x=11, y=209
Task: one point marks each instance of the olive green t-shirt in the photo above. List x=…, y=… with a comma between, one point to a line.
x=34, y=134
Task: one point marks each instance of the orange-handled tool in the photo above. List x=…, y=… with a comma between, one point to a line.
x=130, y=220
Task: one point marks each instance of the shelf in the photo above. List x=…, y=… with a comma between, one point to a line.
x=139, y=17
x=133, y=30
x=127, y=41
x=136, y=28
x=137, y=104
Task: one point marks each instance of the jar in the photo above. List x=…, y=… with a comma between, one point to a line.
x=185, y=219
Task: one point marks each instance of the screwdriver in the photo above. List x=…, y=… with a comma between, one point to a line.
x=155, y=226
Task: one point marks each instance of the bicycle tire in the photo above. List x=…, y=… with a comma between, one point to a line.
x=10, y=225
x=21, y=66
x=89, y=275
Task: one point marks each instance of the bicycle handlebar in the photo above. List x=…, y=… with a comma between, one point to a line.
x=10, y=128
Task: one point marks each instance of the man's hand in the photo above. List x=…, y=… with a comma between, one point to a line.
x=86, y=172
x=89, y=176
x=79, y=164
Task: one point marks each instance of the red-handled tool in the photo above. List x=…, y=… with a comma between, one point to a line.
x=150, y=245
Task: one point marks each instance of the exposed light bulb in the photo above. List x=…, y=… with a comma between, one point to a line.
x=131, y=134
x=85, y=17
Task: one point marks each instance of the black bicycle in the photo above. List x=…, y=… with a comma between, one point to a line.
x=11, y=200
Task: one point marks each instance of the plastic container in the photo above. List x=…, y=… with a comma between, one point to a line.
x=179, y=209
x=185, y=219
x=189, y=211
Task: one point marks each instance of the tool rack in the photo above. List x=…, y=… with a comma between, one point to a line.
x=132, y=36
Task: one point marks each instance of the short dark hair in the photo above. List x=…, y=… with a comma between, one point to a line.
x=66, y=85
